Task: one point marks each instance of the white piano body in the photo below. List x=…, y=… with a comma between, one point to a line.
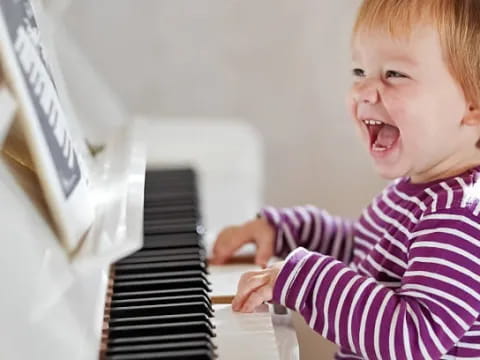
x=52, y=306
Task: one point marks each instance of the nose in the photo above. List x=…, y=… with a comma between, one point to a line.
x=366, y=91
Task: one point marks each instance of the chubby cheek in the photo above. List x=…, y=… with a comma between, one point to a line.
x=404, y=113
x=352, y=108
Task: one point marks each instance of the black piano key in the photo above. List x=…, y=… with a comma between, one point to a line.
x=173, y=355
x=157, y=300
x=172, y=172
x=154, y=183
x=162, y=211
x=137, y=351
x=161, y=309
x=154, y=220
x=157, y=180
x=160, y=219
x=185, y=337
x=155, y=245
x=164, y=292
x=169, y=251
x=194, y=237
x=169, y=209
x=161, y=329
x=164, y=284
x=171, y=197
x=195, y=264
x=160, y=258
x=172, y=229
x=187, y=345
x=160, y=242
x=165, y=266
x=161, y=319
x=151, y=222
x=177, y=202
x=160, y=183
x=160, y=186
x=163, y=275
x=167, y=224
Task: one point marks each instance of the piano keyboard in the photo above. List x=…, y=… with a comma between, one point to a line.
x=158, y=306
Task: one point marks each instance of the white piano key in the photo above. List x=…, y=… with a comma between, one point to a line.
x=241, y=335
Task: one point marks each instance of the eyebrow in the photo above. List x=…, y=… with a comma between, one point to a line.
x=396, y=58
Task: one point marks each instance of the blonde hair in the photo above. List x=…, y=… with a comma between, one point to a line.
x=457, y=22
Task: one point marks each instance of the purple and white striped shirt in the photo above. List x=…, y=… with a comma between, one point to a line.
x=401, y=282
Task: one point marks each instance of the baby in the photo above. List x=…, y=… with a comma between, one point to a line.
x=402, y=281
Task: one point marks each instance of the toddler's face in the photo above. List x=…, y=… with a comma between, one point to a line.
x=406, y=104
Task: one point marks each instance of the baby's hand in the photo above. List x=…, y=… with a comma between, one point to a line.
x=232, y=238
x=255, y=287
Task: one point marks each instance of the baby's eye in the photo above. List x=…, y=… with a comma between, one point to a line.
x=394, y=74
x=358, y=72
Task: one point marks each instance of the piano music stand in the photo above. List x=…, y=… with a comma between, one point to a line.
x=42, y=125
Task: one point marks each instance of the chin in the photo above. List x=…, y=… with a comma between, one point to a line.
x=389, y=173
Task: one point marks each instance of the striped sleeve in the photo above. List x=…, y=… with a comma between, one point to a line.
x=311, y=228
x=436, y=304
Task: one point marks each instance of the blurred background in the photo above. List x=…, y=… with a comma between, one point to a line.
x=283, y=67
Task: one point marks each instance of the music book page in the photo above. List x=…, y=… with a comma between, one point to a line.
x=61, y=171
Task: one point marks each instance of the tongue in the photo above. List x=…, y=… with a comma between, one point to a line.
x=387, y=136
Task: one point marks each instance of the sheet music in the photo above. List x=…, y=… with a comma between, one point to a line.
x=60, y=169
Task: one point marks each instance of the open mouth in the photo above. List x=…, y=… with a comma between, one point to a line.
x=382, y=135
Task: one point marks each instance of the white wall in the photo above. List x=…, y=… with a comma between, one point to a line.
x=281, y=65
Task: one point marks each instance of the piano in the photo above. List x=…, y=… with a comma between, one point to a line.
x=136, y=284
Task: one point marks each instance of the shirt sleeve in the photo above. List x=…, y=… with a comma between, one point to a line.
x=437, y=302
x=311, y=228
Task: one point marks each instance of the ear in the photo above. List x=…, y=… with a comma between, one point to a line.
x=472, y=116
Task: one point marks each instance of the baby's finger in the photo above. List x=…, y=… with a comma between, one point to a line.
x=257, y=298
x=264, y=253
x=225, y=246
x=249, y=282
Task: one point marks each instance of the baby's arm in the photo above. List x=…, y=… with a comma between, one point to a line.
x=311, y=228
x=437, y=302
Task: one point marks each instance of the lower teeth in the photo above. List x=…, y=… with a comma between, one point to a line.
x=380, y=147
